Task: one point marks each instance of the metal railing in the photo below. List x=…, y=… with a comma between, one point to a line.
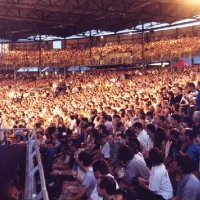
x=33, y=151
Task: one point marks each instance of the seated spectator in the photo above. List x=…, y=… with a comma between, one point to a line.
x=175, y=145
x=188, y=184
x=160, y=122
x=175, y=121
x=89, y=180
x=160, y=139
x=105, y=146
x=149, y=118
x=178, y=93
x=186, y=122
x=106, y=187
x=133, y=168
x=100, y=168
x=159, y=181
x=141, y=135
x=190, y=148
x=150, y=129
x=124, y=193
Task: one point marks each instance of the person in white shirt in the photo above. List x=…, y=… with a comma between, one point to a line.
x=100, y=168
x=73, y=122
x=141, y=135
x=1, y=132
x=108, y=124
x=150, y=129
x=105, y=146
x=159, y=181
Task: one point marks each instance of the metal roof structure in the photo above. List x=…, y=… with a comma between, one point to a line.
x=62, y=18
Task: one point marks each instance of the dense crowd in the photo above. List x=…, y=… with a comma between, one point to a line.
x=112, y=135
x=124, y=53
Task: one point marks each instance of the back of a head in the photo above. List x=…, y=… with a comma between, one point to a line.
x=175, y=133
x=176, y=117
x=150, y=114
x=72, y=117
x=151, y=128
x=94, y=132
x=185, y=163
x=130, y=132
x=138, y=125
x=125, y=154
x=116, y=116
x=191, y=85
x=101, y=165
x=105, y=117
x=188, y=120
x=109, y=184
x=86, y=158
x=190, y=133
x=123, y=136
x=134, y=147
x=127, y=193
x=37, y=125
x=180, y=89
x=160, y=136
x=156, y=156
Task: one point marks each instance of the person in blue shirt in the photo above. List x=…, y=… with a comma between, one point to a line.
x=190, y=148
x=197, y=106
x=196, y=98
x=188, y=185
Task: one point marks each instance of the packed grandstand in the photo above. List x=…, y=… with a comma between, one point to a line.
x=99, y=55
x=118, y=132
x=113, y=118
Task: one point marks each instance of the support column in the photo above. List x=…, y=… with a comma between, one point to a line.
x=15, y=74
x=177, y=33
x=40, y=57
x=171, y=65
x=119, y=40
x=65, y=72
x=143, y=43
x=90, y=48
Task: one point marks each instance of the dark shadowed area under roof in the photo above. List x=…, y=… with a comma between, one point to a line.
x=62, y=18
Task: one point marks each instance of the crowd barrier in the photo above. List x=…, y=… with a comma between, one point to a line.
x=33, y=164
